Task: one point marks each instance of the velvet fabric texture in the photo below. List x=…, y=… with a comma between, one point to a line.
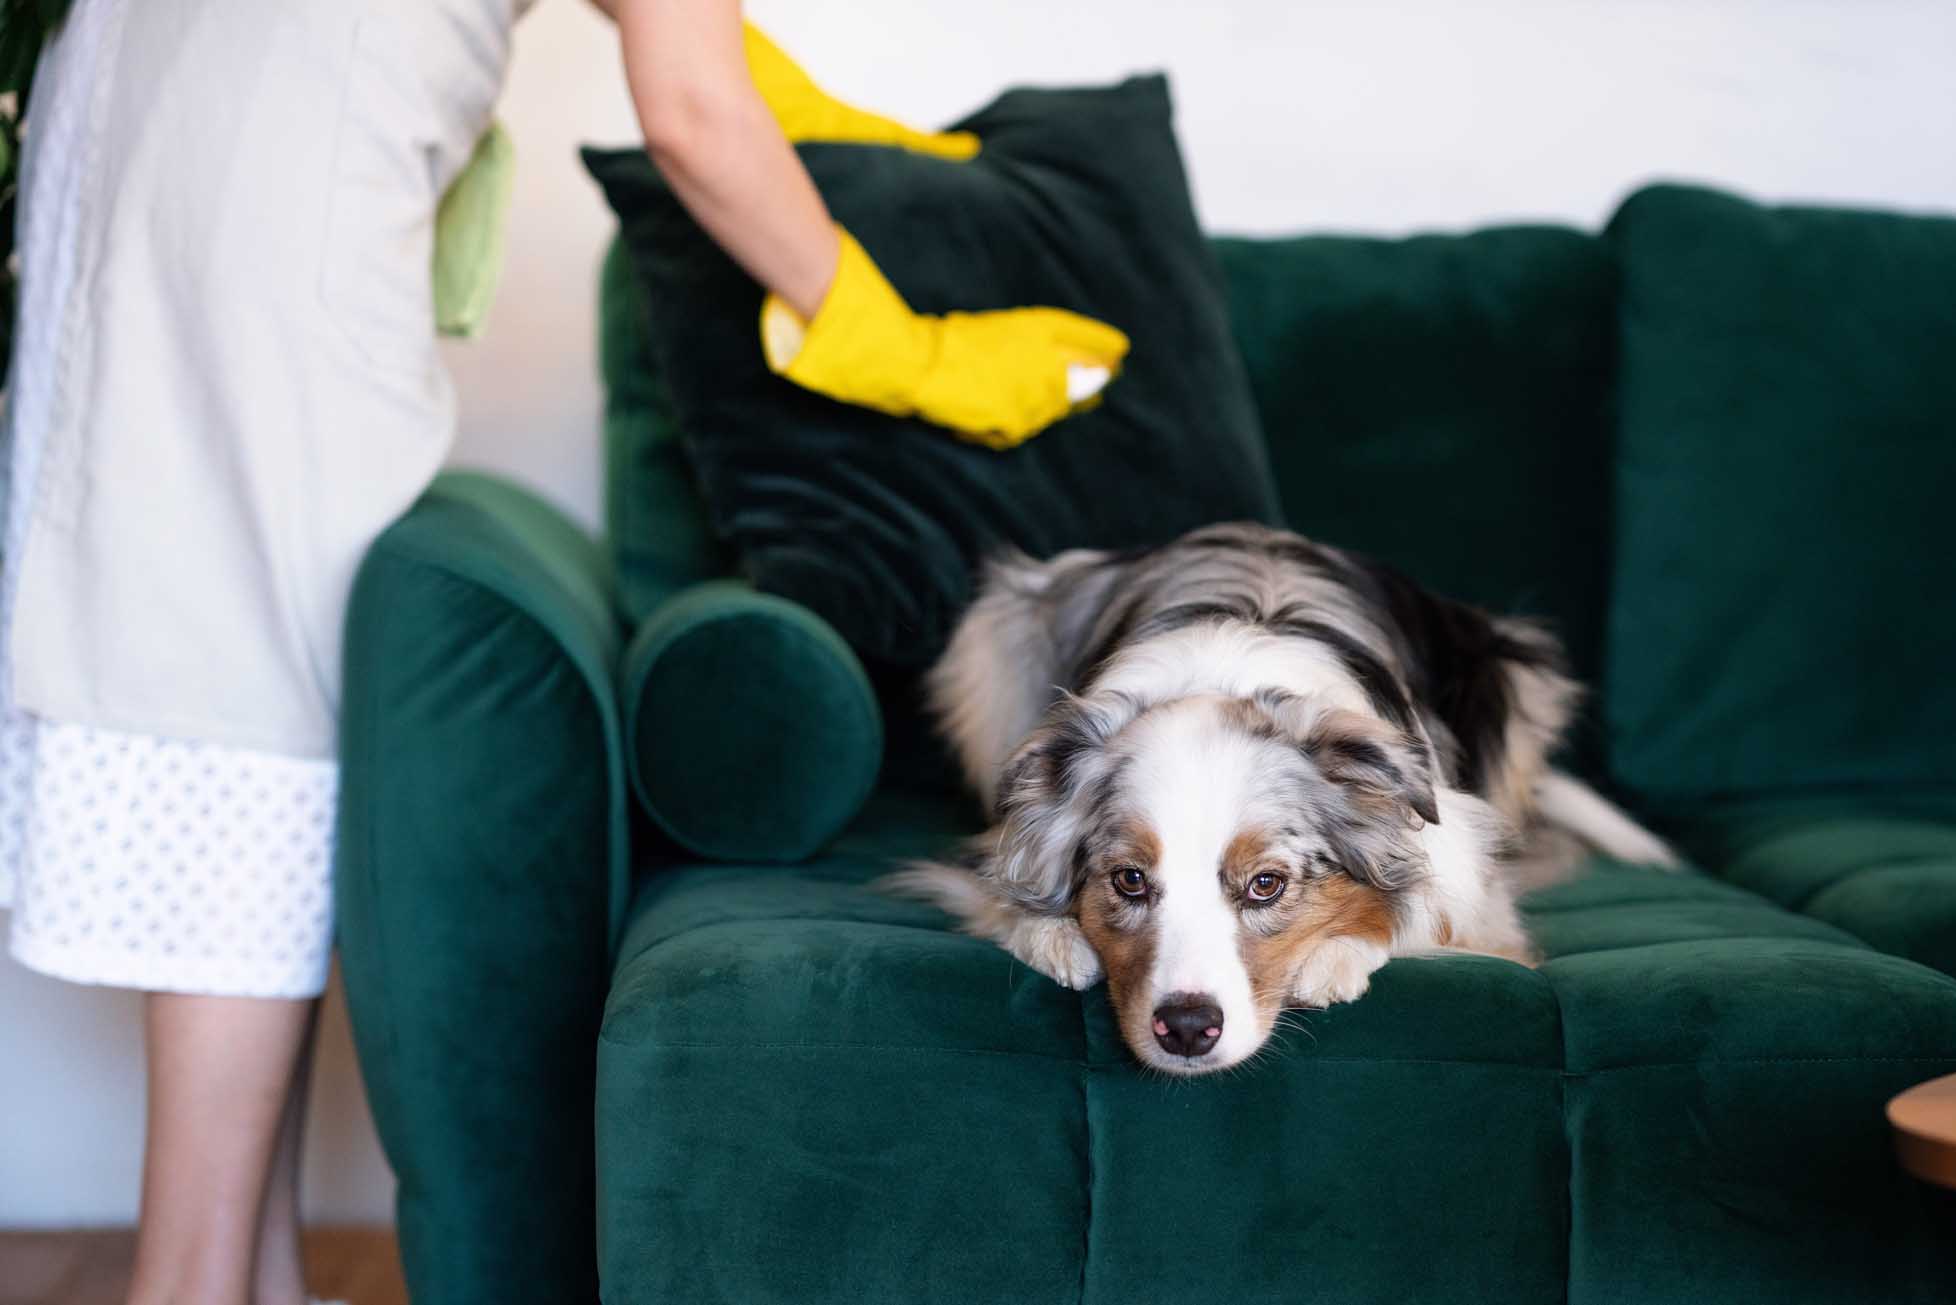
x=1783, y=616
x=1443, y=403
x=656, y=524
x=481, y=879
x=781, y=727
x=1077, y=200
x=753, y=732
x=1882, y=866
x=1683, y=1103
x=805, y=1090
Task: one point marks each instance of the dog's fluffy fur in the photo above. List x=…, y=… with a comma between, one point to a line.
x=1241, y=771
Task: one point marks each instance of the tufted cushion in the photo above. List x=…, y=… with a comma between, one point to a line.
x=1683, y=1103
x=1881, y=866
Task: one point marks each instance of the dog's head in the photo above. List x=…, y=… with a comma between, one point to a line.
x=1223, y=857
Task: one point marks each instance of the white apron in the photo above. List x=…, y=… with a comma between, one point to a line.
x=227, y=353
x=225, y=384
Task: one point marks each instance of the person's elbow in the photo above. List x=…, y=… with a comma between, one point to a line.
x=688, y=124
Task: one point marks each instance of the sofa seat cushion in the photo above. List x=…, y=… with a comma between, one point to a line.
x=1882, y=868
x=809, y=1091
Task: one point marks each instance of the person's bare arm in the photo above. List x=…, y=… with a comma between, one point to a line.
x=712, y=137
x=832, y=323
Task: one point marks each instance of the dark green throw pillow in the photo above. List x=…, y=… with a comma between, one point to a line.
x=1077, y=200
x=1785, y=614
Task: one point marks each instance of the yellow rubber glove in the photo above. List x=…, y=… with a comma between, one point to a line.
x=996, y=378
x=808, y=113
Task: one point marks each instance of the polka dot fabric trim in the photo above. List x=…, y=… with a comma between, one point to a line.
x=166, y=865
x=139, y=862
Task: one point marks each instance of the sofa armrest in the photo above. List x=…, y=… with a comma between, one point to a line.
x=482, y=870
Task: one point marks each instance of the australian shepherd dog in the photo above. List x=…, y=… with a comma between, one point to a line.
x=1240, y=772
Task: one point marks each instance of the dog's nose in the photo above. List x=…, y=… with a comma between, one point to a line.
x=1188, y=1025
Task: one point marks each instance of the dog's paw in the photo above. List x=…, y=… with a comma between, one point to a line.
x=1339, y=969
x=1058, y=950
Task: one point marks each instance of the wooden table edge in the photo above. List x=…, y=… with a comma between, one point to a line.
x=1924, y=1120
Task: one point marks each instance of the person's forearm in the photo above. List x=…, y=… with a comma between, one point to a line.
x=711, y=135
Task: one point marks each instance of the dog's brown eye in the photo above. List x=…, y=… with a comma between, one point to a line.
x=1130, y=882
x=1266, y=887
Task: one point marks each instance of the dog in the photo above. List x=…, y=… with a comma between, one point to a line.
x=1239, y=772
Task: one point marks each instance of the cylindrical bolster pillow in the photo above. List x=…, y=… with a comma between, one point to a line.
x=752, y=729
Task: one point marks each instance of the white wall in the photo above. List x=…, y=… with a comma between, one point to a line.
x=1371, y=116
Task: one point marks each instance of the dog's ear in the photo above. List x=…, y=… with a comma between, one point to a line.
x=1378, y=787
x=1046, y=796
x=1378, y=764
x=1375, y=762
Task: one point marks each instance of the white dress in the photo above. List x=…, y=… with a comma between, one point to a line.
x=224, y=384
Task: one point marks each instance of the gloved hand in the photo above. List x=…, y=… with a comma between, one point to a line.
x=997, y=378
x=808, y=113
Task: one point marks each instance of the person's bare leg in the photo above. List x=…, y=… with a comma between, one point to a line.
x=280, y=1277
x=220, y=1070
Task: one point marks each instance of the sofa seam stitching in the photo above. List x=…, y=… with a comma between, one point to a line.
x=669, y=939
x=1568, y=1143
x=1806, y=900
x=1086, y=1129
x=1736, y=895
x=370, y=712
x=1825, y=786
x=1850, y=943
x=1561, y=1071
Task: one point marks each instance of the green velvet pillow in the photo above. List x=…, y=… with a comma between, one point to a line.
x=1786, y=473
x=752, y=731
x=1077, y=200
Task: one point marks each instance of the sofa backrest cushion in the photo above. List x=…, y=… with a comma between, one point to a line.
x=1442, y=402
x=1785, y=613
x=656, y=523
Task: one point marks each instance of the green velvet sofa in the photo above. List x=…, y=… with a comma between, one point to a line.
x=605, y=1066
